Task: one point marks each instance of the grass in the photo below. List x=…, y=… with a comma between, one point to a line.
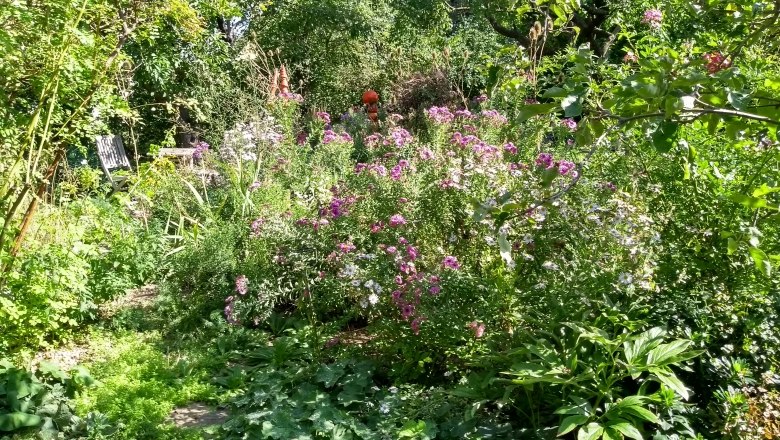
x=141, y=380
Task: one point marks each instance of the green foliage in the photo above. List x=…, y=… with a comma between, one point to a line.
x=40, y=401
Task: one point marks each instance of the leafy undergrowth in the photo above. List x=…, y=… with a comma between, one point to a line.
x=141, y=379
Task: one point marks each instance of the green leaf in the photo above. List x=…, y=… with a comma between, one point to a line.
x=625, y=428
x=665, y=136
x=572, y=106
x=505, y=248
x=591, y=432
x=761, y=260
x=330, y=374
x=732, y=246
x=531, y=110
x=641, y=413
x=751, y=202
x=554, y=92
x=18, y=420
x=668, y=353
x=669, y=379
x=570, y=423
x=764, y=190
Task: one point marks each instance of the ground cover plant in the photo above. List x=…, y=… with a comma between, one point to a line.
x=549, y=219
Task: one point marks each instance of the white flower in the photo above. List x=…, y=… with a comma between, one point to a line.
x=453, y=238
x=369, y=284
x=527, y=239
x=549, y=265
x=625, y=278
x=349, y=271
x=384, y=408
x=393, y=390
x=540, y=286
x=364, y=303
x=490, y=240
x=373, y=299
x=355, y=283
x=511, y=265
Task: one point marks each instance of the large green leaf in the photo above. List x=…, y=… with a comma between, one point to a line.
x=18, y=420
x=665, y=136
x=570, y=423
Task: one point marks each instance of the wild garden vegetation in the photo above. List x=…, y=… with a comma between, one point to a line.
x=563, y=220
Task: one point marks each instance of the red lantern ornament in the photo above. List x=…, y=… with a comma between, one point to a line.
x=370, y=97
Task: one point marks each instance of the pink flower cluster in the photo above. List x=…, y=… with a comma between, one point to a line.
x=440, y=115
x=569, y=123
x=242, y=284
x=323, y=116
x=565, y=167
x=652, y=18
x=397, y=220
x=331, y=136
x=398, y=137
x=257, y=227
x=478, y=328
x=494, y=117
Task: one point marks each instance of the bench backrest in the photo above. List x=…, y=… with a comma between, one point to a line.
x=112, y=152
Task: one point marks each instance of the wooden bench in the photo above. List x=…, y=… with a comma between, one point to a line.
x=181, y=155
x=111, y=153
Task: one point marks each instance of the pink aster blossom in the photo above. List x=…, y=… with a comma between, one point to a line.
x=242, y=284
x=478, y=328
x=435, y=289
x=510, y=148
x=346, y=247
x=545, y=160
x=426, y=154
x=569, y=123
x=412, y=253
x=565, y=166
x=653, y=18
x=397, y=220
x=451, y=262
x=391, y=250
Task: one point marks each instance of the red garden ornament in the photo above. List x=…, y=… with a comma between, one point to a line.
x=370, y=99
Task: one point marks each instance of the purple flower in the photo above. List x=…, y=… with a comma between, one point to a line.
x=545, y=160
x=565, y=166
x=407, y=311
x=510, y=148
x=391, y=250
x=200, y=149
x=229, y=317
x=346, y=247
x=494, y=117
x=291, y=96
x=481, y=98
x=346, y=137
x=372, y=140
x=652, y=18
x=478, y=328
x=395, y=173
x=324, y=117
x=254, y=186
x=257, y=226
x=415, y=325
x=399, y=280
x=397, y=220
x=399, y=137
x=569, y=123
x=301, y=138
x=411, y=251
x=463, y=113
x=242, y=283
x=440, y=115
x=435, y=289
x=426, y=154
x=451, y=262
x=360, y=167
x=329, y=136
